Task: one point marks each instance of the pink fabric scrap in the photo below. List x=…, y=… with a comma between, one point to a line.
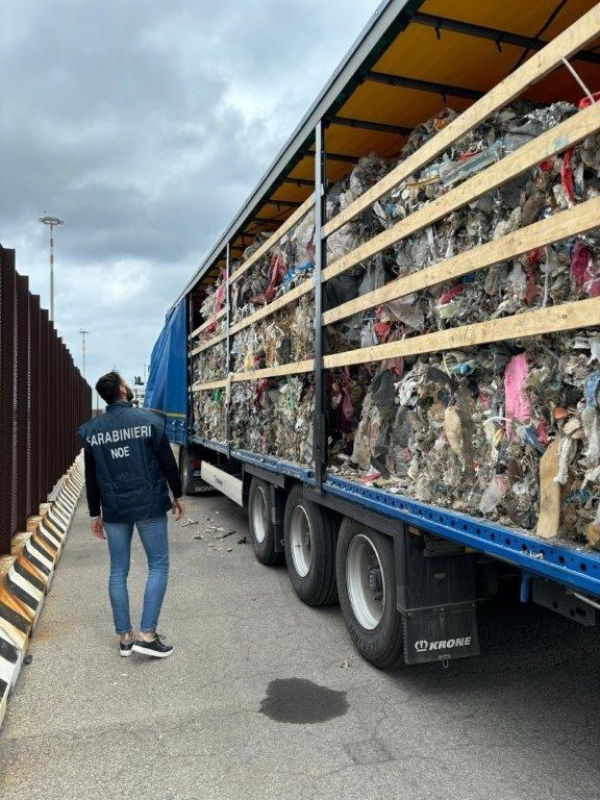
x=517, y=403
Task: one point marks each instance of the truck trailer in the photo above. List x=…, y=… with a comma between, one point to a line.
x=391, y=357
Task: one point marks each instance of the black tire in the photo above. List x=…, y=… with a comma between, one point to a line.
x=262, y=530
x=366, y=583
x=309, y=542
x=184, y=471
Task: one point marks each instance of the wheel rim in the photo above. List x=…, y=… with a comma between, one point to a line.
x=365, y=581
x=301, y=541
x=259, y=515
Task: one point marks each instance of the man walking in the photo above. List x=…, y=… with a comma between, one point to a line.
x=128, y=464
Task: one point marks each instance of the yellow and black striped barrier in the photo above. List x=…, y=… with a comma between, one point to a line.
x=27, y=573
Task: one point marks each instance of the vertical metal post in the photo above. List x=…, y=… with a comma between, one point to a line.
x=36, y=389
x=64, y=433
x=190, y=319
x=228, y=345
x=60, y=421
x=7, y=387
x=21, y=479
x=44, y=410
x=54, y=459
x=320, y=427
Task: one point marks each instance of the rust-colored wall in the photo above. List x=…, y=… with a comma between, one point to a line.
x=43, y=399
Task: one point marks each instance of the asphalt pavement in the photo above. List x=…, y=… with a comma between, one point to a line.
x=266, y=698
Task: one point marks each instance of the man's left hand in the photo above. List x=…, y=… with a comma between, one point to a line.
x=97, y=528
x=178, y=508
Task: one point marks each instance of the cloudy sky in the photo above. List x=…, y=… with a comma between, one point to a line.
x=145, y=125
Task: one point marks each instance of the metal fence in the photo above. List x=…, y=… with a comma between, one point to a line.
x=43, y=399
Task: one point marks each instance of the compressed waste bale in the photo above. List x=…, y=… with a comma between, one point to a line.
x=274, y=417
x=210, y=307
x=345, y=287
x=209, y=364
x=564, y=272
x=209, y=418
x=277, y=272
x=286, y=336
x=467, y=430
x=292, y=259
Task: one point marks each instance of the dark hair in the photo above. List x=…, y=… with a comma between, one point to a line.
x=108, y=387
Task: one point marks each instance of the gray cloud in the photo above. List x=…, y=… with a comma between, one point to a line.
x=146, y=125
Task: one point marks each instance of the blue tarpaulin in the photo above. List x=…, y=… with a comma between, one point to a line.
x=166, y=389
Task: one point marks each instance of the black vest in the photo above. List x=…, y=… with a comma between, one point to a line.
x=123, y=443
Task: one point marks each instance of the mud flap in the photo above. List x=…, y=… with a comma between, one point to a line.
x=436, y=635
x=437, y=598
x=277, y=515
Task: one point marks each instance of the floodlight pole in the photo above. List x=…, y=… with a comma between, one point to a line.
x=52, y=222
x=83, y=335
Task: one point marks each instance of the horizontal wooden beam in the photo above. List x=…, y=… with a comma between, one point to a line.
x=300, y=290
x=537, y=67
x=565, y=317
x=273, y=239
x=208, y=322
x=561, y=226
x=297, y=368
x=201, y=387
x=205, y=345
x=543, y=147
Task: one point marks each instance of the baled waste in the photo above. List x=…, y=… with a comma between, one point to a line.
x=465, y=428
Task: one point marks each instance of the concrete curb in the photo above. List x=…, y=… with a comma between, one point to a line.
x=26, y=575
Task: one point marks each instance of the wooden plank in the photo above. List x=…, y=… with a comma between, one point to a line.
x=274, y=372
x=578, y=220
x=548, y=144
x=273, y=239
x=206, y=345
x=304, y=288
x=565, y=317
x=201, y=387
x=208, y=322
x=539, y=65
x=255, y=375
x=550, y=494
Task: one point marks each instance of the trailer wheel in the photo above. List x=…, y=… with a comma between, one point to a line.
x=262, y=530
x=309, y=543
x=367, y=591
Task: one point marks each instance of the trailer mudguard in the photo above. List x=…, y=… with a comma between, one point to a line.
x=437, y=599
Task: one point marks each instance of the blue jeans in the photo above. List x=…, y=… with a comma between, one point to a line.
x=153, y=533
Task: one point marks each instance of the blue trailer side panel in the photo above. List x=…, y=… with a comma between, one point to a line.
x=167, y=387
